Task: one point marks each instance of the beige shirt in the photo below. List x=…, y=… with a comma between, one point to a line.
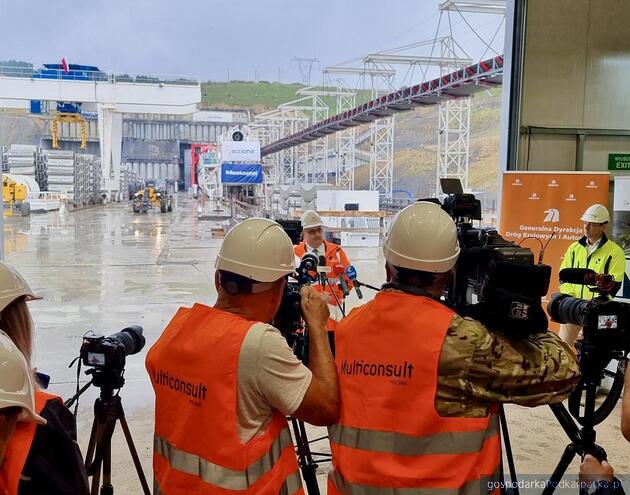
x=270, y=378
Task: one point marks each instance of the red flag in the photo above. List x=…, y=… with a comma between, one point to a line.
x=64, y=65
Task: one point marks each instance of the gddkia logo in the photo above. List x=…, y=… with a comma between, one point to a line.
x=553, y=215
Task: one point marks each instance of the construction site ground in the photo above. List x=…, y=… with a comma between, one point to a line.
x=103, y=268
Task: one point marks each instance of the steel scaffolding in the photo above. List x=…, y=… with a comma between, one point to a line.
x=316, y=167
x=267, y=129
x=345, y=140
x=382, y=140
x=452, y=139
x=453, y=150
x=343, y=154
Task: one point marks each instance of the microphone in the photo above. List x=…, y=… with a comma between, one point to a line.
x=338, y=270
x=581, y=276
x=351, y=273
x=310, y=261
x=323, y=270
x=307, y=271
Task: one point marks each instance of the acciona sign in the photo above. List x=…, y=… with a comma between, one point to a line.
x=240, y=151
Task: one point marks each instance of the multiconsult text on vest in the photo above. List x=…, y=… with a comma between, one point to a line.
x=360, y=367
x=194, y=390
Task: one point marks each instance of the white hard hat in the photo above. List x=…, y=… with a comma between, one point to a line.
x=258, y=249
x=16, y=381
x=596, y=214
x=310, y=219
x=12, y=286
x=422, y=237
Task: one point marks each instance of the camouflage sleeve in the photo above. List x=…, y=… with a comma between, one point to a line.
x=482, y=367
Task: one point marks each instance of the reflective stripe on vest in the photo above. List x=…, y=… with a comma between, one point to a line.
x=461, y=442
x=221, y=476
x=292, y=485
x=483, y=485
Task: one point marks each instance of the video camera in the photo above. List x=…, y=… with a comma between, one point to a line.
x=107, y=355
x=288, y=319
x=496, y=281
x=606, y=323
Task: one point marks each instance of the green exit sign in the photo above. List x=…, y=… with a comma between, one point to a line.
x=619, y=161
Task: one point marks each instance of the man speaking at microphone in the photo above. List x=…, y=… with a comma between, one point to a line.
x=332, y=258
x=596, y=252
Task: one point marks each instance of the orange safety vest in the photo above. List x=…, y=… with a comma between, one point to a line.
x=389, y=435
x=193, y=370
x=19, y=447
x=335, y=255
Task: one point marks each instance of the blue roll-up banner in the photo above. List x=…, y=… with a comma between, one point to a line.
x=238, y=173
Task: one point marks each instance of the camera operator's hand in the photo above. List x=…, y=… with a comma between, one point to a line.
x=314, y=308
x=320, y=405
x=592, y=471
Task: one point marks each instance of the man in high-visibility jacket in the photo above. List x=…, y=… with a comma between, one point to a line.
x=225, y=380
x=419, y=385
x=334, y=255
x=595, y=251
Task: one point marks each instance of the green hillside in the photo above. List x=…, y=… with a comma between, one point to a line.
x=260, y=96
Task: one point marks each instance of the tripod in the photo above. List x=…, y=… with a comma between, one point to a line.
x=581, y=430
x=306, y=460
x=107, y=411
x=582, y=434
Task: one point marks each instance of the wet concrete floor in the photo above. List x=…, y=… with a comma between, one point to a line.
x=103, y=268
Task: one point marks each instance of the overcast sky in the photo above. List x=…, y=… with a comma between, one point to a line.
x=252, y=39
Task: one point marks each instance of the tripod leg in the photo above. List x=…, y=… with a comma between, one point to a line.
x=569, y=453
x=134, y=455
x=96, y=481
x=305, y=460
x=95, y=441
x=92, y=443
x=508, y=451
x=106, y=487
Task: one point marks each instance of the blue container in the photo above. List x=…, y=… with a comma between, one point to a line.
x=36, y=106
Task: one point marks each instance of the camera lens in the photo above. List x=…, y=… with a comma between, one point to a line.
x=130, y=338
x=567, y=309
